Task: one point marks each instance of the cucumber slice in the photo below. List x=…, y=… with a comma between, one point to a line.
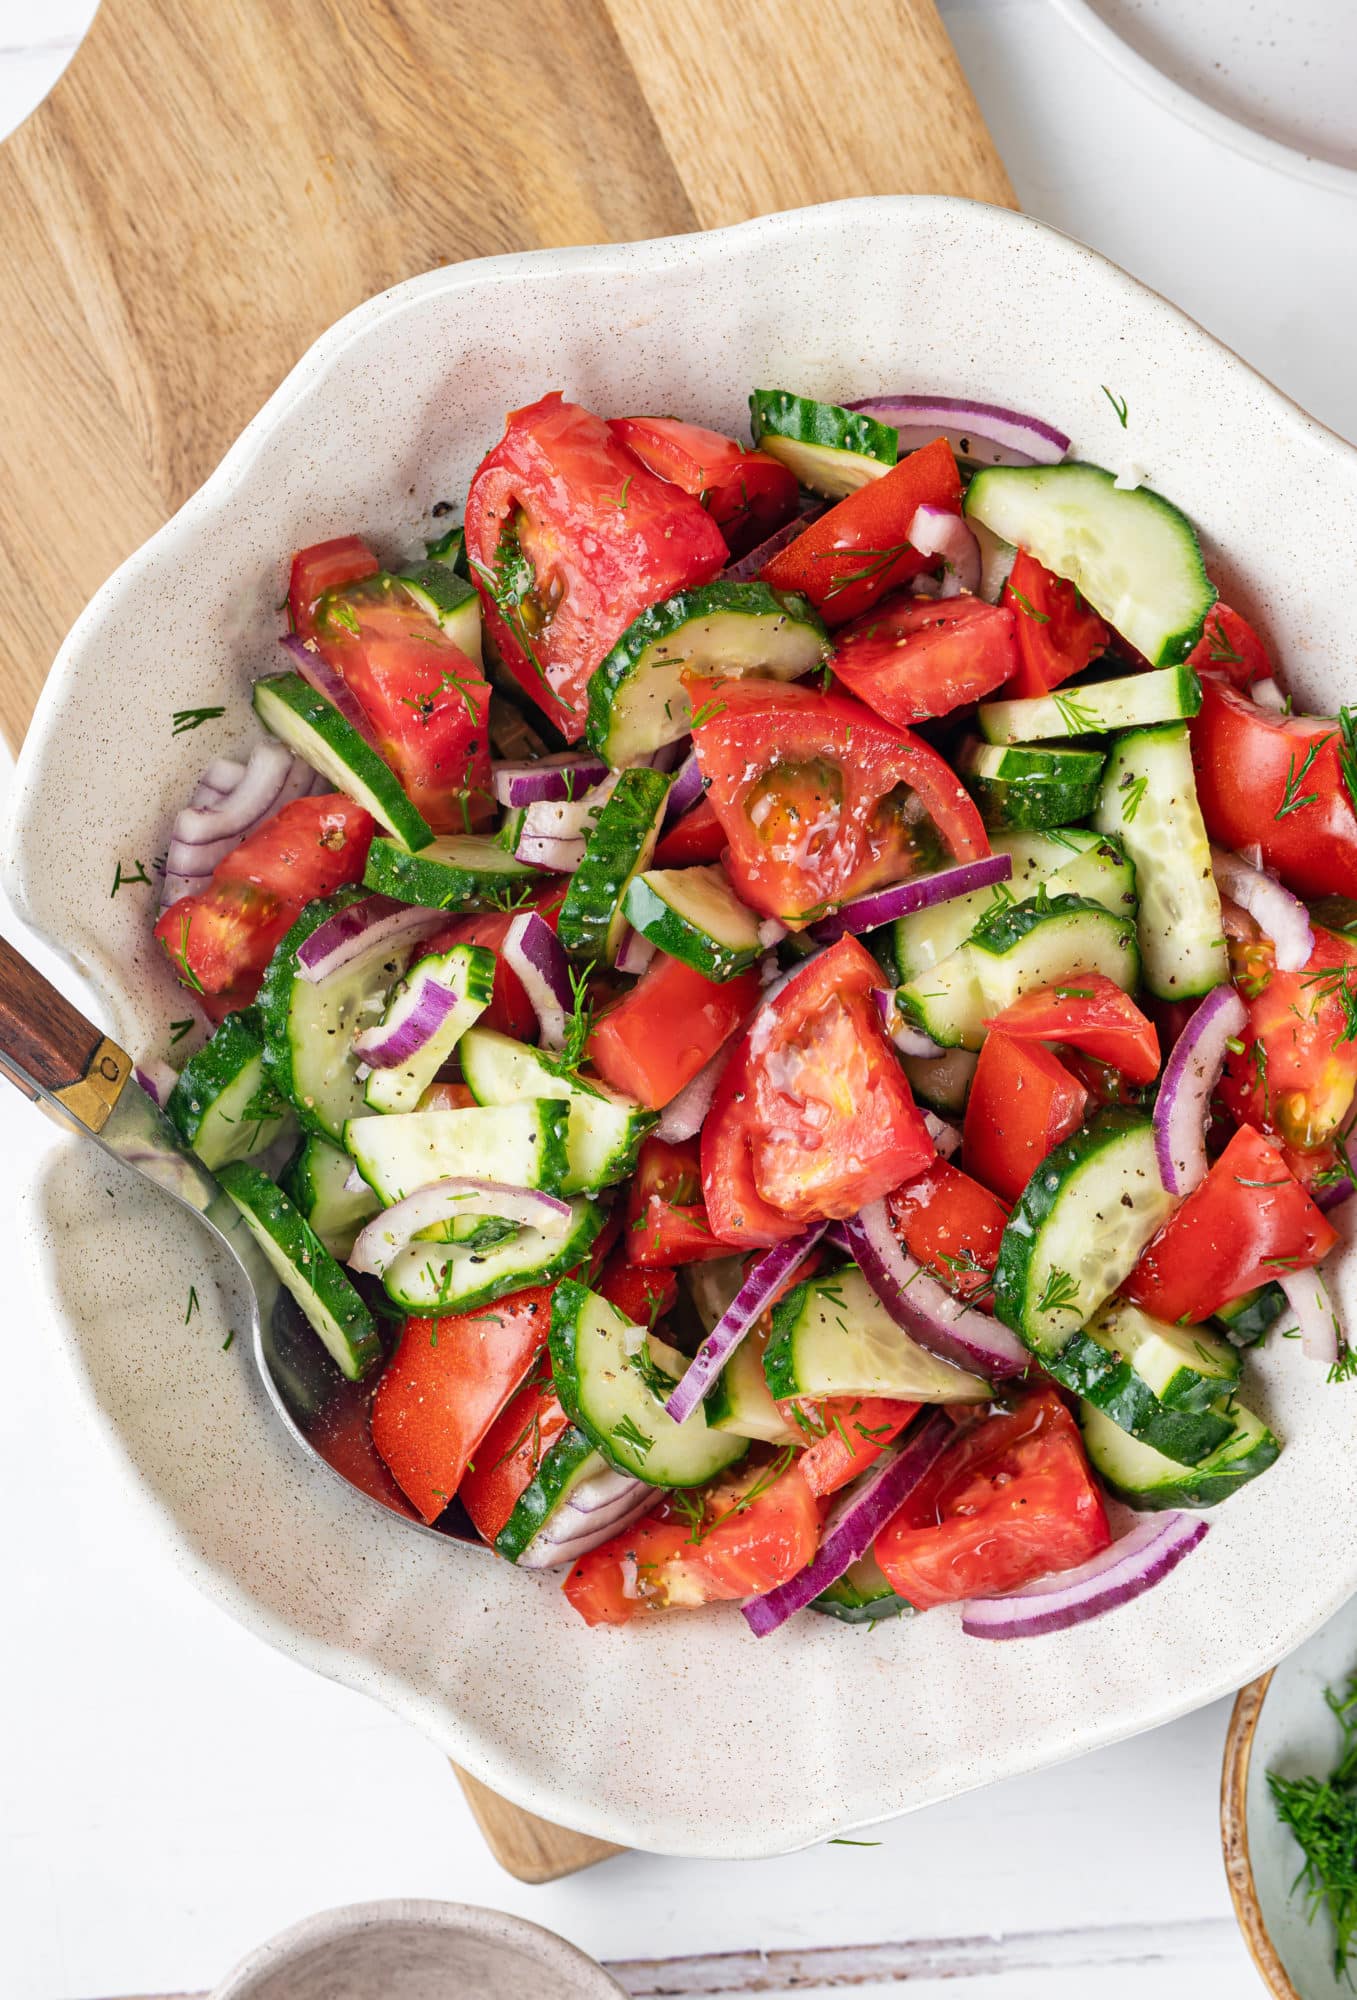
x=604, y=1130
x=740, y=1401
x=613, y=1378
x=519, y=1145
x=861, y=1595
x=1078, y=1228
x=1130, y=552
x=831, y=450
x=1247, y=1320
x=468, y=970
x=1030, y=788
x=449, y=600
x=225, y=1105
x=449, y=549
x=303, y=1264
x=456, y=871
x=314, y=1182
x=426, y=1278
x=319, y=734
x=833, y=1337
x=1149, y=800
x=1094, y=707
x=693, y=914
x=566, y=1465
x=637, y=700
x=943, y=1083
x=1122, y=1361
x=591, y=922
x=1146, y=1479
x=1186, y=1367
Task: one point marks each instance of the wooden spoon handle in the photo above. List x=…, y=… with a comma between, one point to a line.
x=47, y=1045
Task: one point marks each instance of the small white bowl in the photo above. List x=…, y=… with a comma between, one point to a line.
x=403, y=1950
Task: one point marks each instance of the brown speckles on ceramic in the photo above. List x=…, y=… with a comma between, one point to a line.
x=685, y=1735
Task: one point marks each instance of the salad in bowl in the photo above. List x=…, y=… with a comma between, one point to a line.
x=788, y=1009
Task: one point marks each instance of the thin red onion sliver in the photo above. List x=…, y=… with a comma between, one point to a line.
x=534, y=953
x=601, y=1507
x=533, y=781
x=383, y=1239
x=1266, y=693
x=749, y=566
x=945, y=1137
x=558, y=857
x=909, y=1040
x=1321, y=1338
x=1134, y=1563
x=936, y=532
x=1277, y=913
x=395, y=1043
x=683, y=1116
x=1333, y=1196
x=375, y=925
x=1190, y=1075
x=931, y=1315
x=921, y=892
x=219, y=816
x=685, y=791
x=157, y=1079
x=773, y=1268
x=1018, y=439
x=330, y=685
x=855, y=1523
x=634, y=953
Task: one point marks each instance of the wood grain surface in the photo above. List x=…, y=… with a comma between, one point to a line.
x=209, y=187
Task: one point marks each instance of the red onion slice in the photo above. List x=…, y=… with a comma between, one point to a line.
x=382, y=1240
x=1134, y=1563
x=157, y=1079
x=909, y=1040
x=414, y=1019
x=684, y=1116
x=1321, y=1337
x=855, y=1522
x=597, y=1508
x=781, y=538
x=935, y=532
x=1012, y=437
x=1267, y=694
x=945, y=1137
x=1277, y=913
x=216, y=821
x=685, y=791
x=373, y=927
x=921, y=892
x=534, y=953
x=1190, y=1075
x=928, y=1312
x=221, y=777
x=634, y=953
x=773, y=1269
x=537, y=781
x=330, y=686
x=558, y=857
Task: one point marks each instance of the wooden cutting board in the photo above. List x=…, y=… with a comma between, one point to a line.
x=209, y=187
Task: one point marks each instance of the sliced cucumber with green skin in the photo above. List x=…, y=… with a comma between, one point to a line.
x=518, y=1145
x=330, y=1303
x=314, y=1182
x=449, y=600
x=943, y=1082
x=1186, y=1367
x=1094, y=707
x=1145, y=1479
x=1130, y=552
x=429, y=1278
x=591, y=922
x=604, y=1130
x=831, y=450
x=693, y=914
x=1120, y=1366
x=225, y=1105
x=1248, y=1319
x=566, y=1465
x=613, y=1379
x=456, y=871
x=1149, y=800
x=1078, y=1228
x=637, y=700
x=448, y=549
x=1030, y=788
x=1038, y=942
x=319, y=734
x=468, y=970
x=833, y=1337
x=861, y=1595
x=1069, y=860
x=740, y=1401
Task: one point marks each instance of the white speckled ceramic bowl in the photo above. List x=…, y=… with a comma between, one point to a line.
x=683, y=1734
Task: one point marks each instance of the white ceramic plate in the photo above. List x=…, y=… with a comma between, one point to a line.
x=683, y=1734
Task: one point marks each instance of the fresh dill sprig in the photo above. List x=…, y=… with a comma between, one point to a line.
x=1321, y=1813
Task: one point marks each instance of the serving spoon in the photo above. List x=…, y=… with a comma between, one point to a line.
x=50, y=1052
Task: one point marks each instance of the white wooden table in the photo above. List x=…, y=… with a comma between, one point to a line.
x=171, y=1792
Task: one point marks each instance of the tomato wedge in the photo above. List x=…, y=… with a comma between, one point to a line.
x=953, y=1226
x=642, y=1296
x=666, y=1215
x=220, y=940
x=509, y=1454
x=1231, y=649
x=1248, y=1222
x=1088, y=1011
x=822, y=801
x=1276, y=782
x=570, y=538
x=857, y=1430
x=1055, y=632
x=698, y=836
x=1011, y=1500
x=860, y=550
x=1296, y=1074
x=1022, y=1103
x=814, y=1116
x=758, y=1528
x=914, y=657
x=445, y=1385
x=748, y=494
x=666, y=1028
x=325, y=566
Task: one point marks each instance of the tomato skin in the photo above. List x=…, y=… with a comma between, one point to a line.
x=857, y=1431
x=666, y=1028
x=1058, y=636
x=1230, y=1235
x=1231, y=649
x=445, y=1385
x=778, y=757
x=736, y=1210
x=1248, y=763
x=666, y=1216
x=951, y=1224
x=510, y=1011
x=1023, y=1102
x=509, y=1454
x=220, y=940
x=860, y=551
x=1089, y=1011
x=1302, y=1087
x=325, y=566
x=642, y=1296
x=914, y=657
x=698, y=836
x=743, y=1554
x=1011, y=1499
x=748, y=494
x=602, y=537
